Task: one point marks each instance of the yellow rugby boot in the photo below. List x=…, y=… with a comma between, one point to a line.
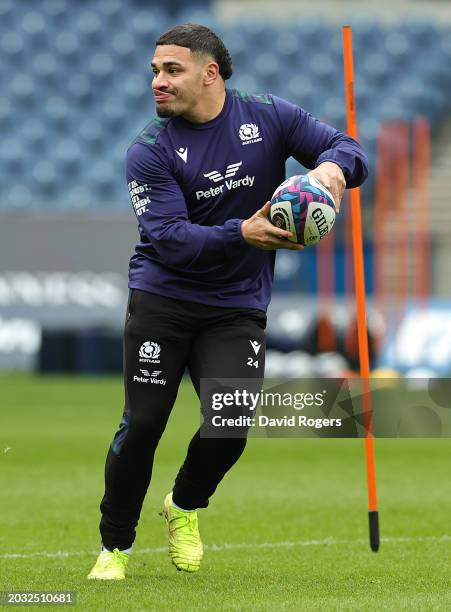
x=185, y=546
x=110, y=566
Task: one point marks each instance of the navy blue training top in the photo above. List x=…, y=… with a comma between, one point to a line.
x=192, y=184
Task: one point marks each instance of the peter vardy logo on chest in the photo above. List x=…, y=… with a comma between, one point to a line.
x=228, y=182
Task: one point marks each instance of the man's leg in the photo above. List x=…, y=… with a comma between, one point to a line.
x=156, y=347
x=231, y=346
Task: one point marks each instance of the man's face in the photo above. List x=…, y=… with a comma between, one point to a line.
x=178, y=79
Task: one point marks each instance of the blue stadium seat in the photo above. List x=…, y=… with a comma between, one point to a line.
x=334, y=111
x=366, y=100
x=236, y=43
x=69, y=157
x=76, y=194
x=194, y=12
x=12, y=156
x=46, y=68
x=256, y=32
x=311, y=31
x=81, y=89
x=397, y=48
x=6, y=15
x=89, y=28
x=34, y=135
x=300, y=91
x=368, y=129
x=376, y=68
x=34, y=27
x=333, y=44
x=56, y=11
x=124, y=46
x=287, y=45
x=423, y=101
x=91, y=135
x=12, y=47
x=118, y=152
x=101, y=67
x=67, y=46
x=6, y=115
x=392, y=107
x=245, y=81
x=114, y=115
x=57, y=112
x=22, y=90
x=444, y=54
x=136, y=90
x=45, y=178
x=102, y=182
x=268, y=70
x=322, y=69
x=146, y=27
x=19, y=197
x=366, y=35
x=112, y=11
x=421, y=33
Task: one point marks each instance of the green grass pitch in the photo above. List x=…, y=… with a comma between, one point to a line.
x=287, y=529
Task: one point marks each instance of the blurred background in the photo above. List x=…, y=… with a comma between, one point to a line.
x=75, y=90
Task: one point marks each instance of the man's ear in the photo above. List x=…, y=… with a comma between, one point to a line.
x=211, y=73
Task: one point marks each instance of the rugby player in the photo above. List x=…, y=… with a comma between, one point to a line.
x=200, y=176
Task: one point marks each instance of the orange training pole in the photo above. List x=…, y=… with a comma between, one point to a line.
x=359, y=274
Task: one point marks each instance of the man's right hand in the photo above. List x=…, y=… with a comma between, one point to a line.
x=259, y=232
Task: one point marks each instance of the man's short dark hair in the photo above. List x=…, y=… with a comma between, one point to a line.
x=200, y=39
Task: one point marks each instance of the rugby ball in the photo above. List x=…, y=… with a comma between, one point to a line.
x=303, y=206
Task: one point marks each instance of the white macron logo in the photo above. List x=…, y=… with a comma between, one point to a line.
x=183, y=153
x=231, y=170
x=249, y=133
x=255, y=345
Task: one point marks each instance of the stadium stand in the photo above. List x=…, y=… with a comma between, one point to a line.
x=75, y=86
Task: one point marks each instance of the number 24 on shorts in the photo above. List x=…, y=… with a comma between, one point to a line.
x=251, y=362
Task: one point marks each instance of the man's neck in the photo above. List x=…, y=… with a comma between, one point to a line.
x=208, y=110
